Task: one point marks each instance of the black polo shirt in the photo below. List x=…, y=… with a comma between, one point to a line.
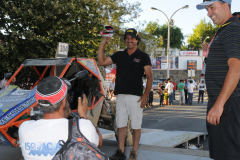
x=130, y=71
x=225, y=45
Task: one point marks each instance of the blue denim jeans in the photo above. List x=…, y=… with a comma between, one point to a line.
x=170, y=98
x=190, y=98
x=161, y=99
x=174, y=94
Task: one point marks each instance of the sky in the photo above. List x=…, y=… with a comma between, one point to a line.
x=186, y=19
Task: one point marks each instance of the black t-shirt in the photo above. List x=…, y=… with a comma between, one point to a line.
x=225, y=45
x=130, y=71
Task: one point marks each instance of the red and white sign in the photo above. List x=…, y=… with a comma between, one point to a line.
x=189, y=53
x=204, y=53
x=110, y=76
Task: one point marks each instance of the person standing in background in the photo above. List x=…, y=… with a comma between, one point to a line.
x=181, y=92
x=191, y=88
x=169, y=87
x=186, y=90
x=111, y=87
x=201, y=88
x=174, y=88
x=161, y=94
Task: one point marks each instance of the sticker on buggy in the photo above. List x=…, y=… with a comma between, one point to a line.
x=90, y=65
x=15, y=111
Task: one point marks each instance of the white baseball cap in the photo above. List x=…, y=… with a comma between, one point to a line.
x=208, y=2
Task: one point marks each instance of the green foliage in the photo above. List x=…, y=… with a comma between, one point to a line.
x=116, y=13
x=203, y=29
x=184, y=48
x=33, y=28
x=161, y=35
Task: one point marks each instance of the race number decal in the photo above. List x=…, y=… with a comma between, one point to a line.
x=63, y=48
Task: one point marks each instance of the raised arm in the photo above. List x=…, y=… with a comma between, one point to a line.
x=102, y=60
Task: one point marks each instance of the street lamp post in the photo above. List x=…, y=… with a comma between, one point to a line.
x=170, y=23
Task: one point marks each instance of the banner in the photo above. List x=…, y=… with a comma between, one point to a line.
x=189, y=53
x=158, y=62
x=174, y=62
x=204, y=53
x=110, y=76
x=191, y=65
x=161, y=63
x=153, y=61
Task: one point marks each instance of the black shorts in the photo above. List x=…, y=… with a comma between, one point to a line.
x=224, y=139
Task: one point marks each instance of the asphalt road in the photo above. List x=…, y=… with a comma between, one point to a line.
x=176, y=117
x=169, y=118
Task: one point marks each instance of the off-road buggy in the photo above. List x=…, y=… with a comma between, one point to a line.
x=18, y=103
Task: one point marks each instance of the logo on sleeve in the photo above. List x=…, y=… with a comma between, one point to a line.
x=136, y=60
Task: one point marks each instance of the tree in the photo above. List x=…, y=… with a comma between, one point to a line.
x=116, y=13
x=203, y=29
x=33, y=28
x=161, y=35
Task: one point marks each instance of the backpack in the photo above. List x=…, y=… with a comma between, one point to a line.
x=77, y=146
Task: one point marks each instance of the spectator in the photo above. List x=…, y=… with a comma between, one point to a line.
x=174, y=89
x=169, y=87
x=161, y=93
x=191, y=88
x=186, y=90
x=111, y=87
x=150, y=100
x=164, y=83
x=52, y=97
x=131, y=64
x=222, y=82
x=3, y=83
x=181, y=92
x=198, y=81
x=201, y=88
x=5, y=80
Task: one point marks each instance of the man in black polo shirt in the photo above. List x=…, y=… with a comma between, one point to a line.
x=131, y=64
x=222, y=81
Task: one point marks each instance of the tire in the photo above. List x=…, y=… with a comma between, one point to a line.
x=102, y=71
x=129, y=136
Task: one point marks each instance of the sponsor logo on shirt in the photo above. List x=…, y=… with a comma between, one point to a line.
x=136, y=60
x=42, y=148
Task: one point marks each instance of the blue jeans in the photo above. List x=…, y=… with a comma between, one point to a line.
x=174, y=94
x=190, y=98
x=201, y=94
x=161, y=99
x=170, y=98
